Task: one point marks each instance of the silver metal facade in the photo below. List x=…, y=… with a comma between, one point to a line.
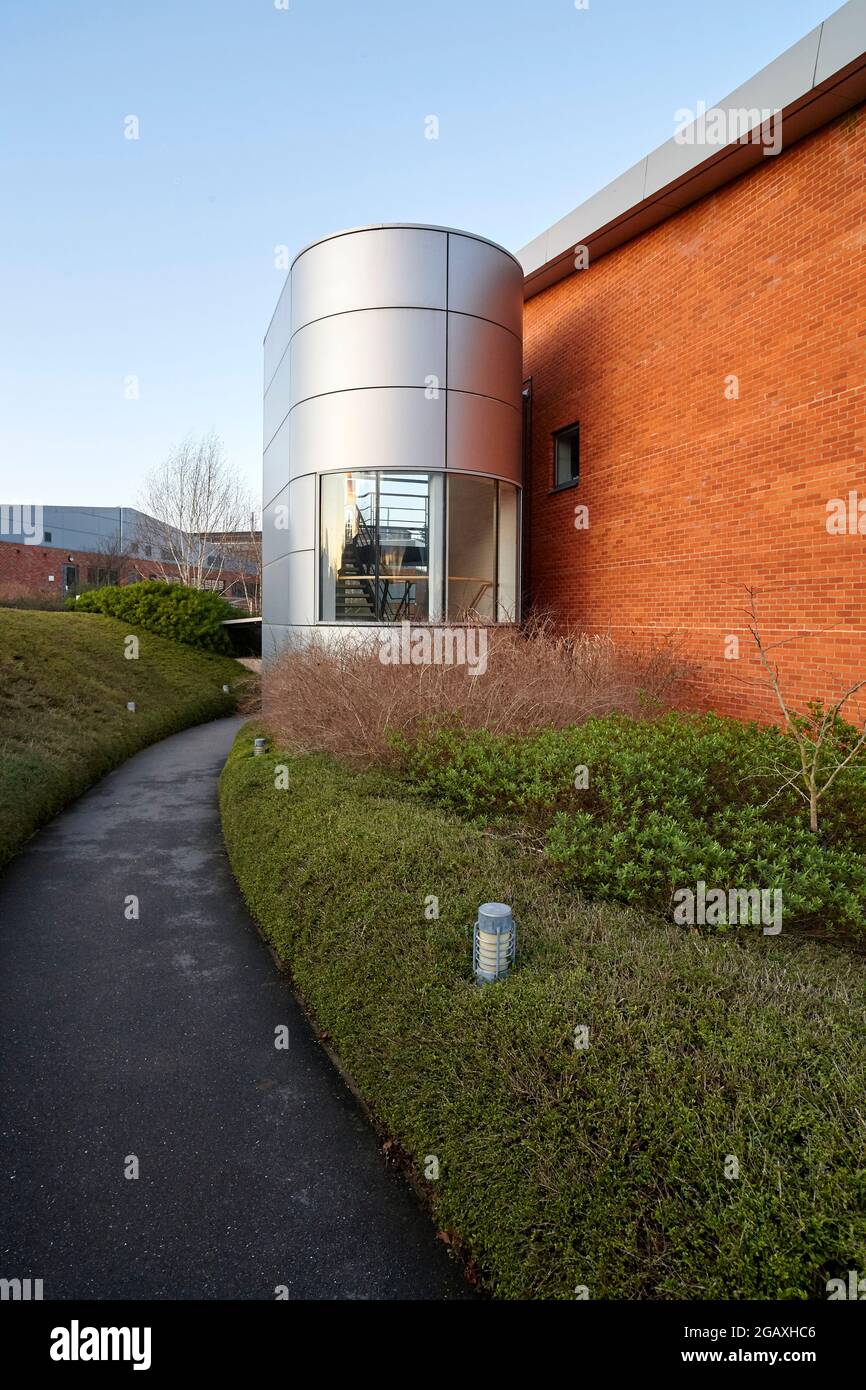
x=391, y=347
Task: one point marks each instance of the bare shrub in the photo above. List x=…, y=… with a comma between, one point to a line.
x=825, y=745
x=14, y=594
x=337, y=696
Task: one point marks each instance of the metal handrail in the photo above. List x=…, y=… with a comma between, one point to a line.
x=377, y=585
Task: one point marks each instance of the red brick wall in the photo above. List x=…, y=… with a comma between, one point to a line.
x=29, y=566
x=692, y=497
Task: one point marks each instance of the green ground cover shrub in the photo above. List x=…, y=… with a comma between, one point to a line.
x=191, y=616
x=634, y=810
x=603, y=1167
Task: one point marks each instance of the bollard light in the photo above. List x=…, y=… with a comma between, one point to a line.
x=494, y=943
x=225, y=690
x=260, y=745
x=130, y=705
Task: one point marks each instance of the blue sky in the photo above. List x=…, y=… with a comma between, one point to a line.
x=262, y=127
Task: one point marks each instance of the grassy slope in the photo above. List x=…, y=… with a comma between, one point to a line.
x=561, y=1168
x=64, y=684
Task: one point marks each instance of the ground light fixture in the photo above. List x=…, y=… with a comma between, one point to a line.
x=260, y=745
x=494, y=943
x=130, y=705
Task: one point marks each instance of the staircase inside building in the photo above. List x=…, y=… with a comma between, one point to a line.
x=365, y=596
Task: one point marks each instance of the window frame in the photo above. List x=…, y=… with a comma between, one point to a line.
x=446, y=609
x=557, y=436
x=377, y=475
x=430, y=474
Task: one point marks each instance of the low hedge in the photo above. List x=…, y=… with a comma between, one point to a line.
x=562, y=1169
x=662, y=804
x=191, y=616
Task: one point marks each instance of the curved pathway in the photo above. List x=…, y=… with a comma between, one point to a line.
x=149, y=1042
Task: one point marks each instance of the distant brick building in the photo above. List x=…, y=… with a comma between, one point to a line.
x=700, y=389
x=64, y=550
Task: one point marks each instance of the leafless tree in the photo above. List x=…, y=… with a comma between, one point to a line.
x=821, y=757
x=243, y=551
x=116, y=565
x=191, y=499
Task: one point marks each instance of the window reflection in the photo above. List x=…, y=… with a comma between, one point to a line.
x=383, y=548
x=375, y=547
x=471, y=547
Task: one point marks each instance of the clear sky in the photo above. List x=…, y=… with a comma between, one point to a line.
x=262, y=127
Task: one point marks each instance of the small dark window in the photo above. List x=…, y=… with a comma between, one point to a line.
x=46, y=537
x=566, y=456
x=101, y=577
x=147, y=551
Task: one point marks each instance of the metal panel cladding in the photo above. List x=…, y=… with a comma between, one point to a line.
x=391, y=347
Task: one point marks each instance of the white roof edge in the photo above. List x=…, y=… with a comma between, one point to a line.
x=818, y=78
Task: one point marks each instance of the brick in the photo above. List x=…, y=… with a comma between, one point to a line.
x=692, y=497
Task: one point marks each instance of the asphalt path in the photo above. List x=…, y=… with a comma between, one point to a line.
x=146, y=1044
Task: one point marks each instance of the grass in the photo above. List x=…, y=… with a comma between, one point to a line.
x=559, y=1167
x=64, y=686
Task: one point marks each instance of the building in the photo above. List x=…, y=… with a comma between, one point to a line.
x=240, y=554
x=63, y=550
x=710, y=362
x=693, y=403
x=392, y=431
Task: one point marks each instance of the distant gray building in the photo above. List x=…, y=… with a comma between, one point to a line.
x=66, y=549
x=120, y=530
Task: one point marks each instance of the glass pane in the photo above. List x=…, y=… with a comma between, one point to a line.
x=471, y=547
x=347, y=573
x=568, y=456
x=507, y=596
x=436, y=549
x=404, y=546
x=375, y=548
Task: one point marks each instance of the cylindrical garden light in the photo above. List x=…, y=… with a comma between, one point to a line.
x=494, y=943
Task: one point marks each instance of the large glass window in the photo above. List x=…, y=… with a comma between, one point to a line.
x=507, y=605
x=377, y=561
x=471, y=548
x=383, y=548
